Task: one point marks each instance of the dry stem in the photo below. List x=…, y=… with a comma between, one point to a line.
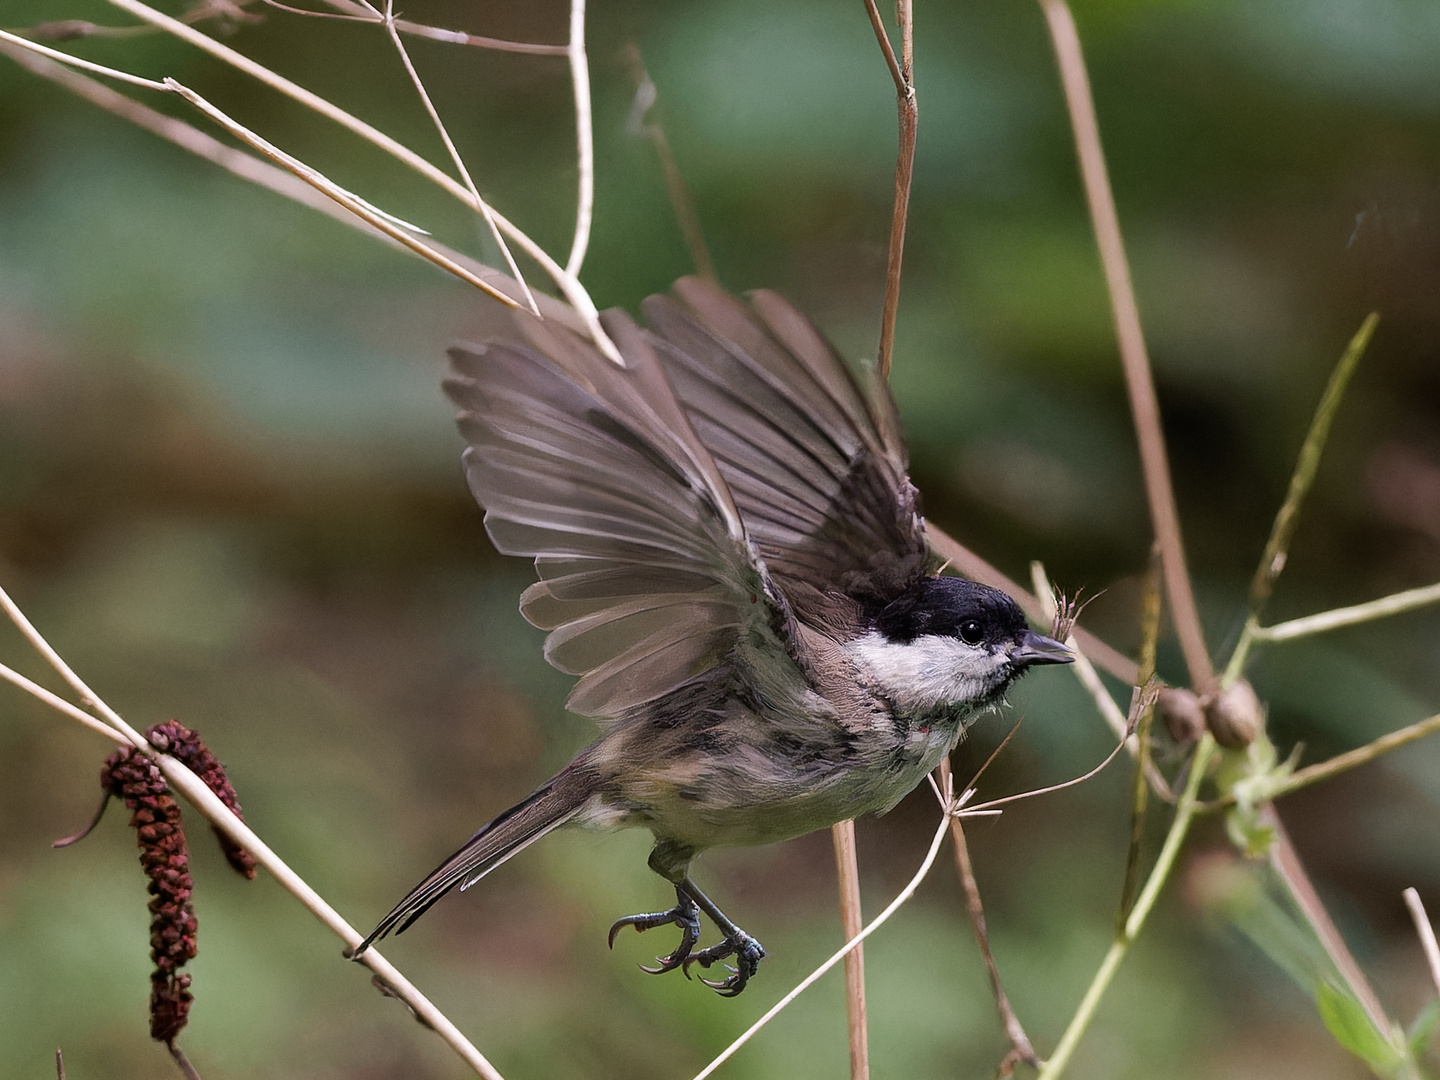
x=568, y=283
x=377, y=220
x=182, y=780
x=480, y=205
x=850, y=946
x=1159, y=492
x=1140, y=786
x=848, y=871
x=1116, y=720
x=974, y=906
x=255, y=170
x=74, y=61
x=1285, y=861
x=908, y=107
x=584, y=139
x=682, y=202
x=1426, y=933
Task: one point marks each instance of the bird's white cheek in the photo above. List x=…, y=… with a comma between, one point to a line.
x=928, y=673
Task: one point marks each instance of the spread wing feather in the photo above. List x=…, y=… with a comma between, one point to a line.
x=730, y=476
x=646, y=577
x=817, y=470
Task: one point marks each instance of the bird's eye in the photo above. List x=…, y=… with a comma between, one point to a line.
x=971, y=632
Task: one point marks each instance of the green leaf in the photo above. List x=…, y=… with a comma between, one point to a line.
x=1346, y=1020
x=1423, y=1028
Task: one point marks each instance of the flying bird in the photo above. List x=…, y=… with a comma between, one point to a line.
x=732, y=559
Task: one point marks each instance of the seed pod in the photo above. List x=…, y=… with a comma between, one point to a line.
x=1235, y=716
x=1183, y=716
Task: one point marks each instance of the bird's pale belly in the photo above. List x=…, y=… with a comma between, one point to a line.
x=739, y=797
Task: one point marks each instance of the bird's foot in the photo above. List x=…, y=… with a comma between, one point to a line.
x=747, y=952
x=685, y=914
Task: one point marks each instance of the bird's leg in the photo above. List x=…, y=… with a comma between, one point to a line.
x=747, y=951
x=685, y=914
x=672, y=862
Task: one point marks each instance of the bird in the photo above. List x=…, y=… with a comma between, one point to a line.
x=732, y=559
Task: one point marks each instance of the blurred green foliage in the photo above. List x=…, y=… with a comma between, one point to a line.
x=229, y=493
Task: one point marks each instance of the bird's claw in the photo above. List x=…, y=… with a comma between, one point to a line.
x=747, y=952
x=684, y=915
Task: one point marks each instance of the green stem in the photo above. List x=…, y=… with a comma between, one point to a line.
x=1277, y=548
x=1349, y=616
x=1248, y=636
x=1339, y=763
x=1174, y=840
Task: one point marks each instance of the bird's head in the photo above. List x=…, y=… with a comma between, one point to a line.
x=948, y=644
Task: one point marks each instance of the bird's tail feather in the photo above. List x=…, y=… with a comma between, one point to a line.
x=553, y=804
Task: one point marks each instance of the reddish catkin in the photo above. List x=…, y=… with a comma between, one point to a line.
x=175, y=739
x=130, y=775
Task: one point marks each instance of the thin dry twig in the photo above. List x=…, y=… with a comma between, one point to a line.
x=1085, y=672
x=1140, y=788
x=1160, y=493
x=369, y=16
x=853, y=944
x=187, y=1070
x=480, y=205
x=993, y=805
x=257, y=171
x=1426, y=933
x=199, y=795
x=902, y=71
x=584, y=139
x=851, y=922
x=682, y=202
x=362, y=13
x=346, y=10
x=351, y=202
x=1285, y=861
x=1185, y=811
x=569, y=285
x=458, y=37
x=376, y=219
x=35, y=47
x=1021, y=1046
x=57, y=703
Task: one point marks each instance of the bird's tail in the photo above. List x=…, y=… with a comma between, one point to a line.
x=553, y=804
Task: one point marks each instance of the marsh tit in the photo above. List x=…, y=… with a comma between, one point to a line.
x=731, y=558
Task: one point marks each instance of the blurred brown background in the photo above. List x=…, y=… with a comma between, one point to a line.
x=230, y=493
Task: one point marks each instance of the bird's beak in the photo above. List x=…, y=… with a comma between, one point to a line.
x=1038, y=649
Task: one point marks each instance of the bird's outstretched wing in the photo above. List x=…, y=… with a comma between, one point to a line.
x=817, y=467
x=731, y=474
x=646, y=575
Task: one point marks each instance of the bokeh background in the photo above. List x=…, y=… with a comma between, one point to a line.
x=230, y=493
